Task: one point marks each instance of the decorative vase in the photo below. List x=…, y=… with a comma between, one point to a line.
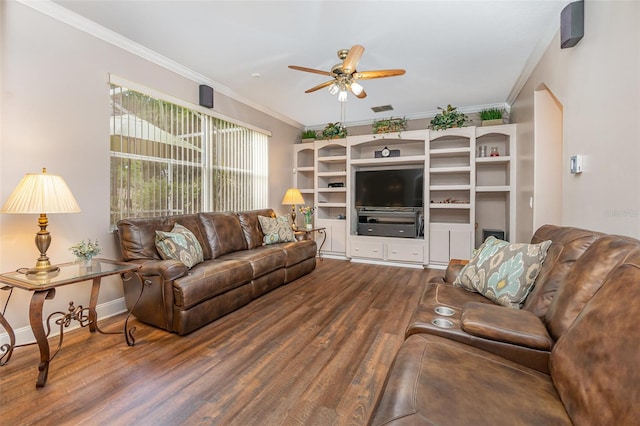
x=308, y=223
x=85, y=262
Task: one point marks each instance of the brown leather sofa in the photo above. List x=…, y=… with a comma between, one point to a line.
x=237, y=268
x=570, y=356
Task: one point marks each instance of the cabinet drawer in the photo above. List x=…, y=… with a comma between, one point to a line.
x=405, y=253
x=364, y=249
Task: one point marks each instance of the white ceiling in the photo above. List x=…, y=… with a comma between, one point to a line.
x=471, y=54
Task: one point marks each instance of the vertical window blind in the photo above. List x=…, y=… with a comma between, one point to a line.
x=167, y=159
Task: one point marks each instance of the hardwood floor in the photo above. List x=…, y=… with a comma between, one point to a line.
x=313, y=352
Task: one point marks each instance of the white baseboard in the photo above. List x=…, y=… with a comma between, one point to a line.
x=24, y=335
x=387, y=263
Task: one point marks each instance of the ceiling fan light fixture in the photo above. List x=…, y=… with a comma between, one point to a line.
x=356, y=88
x=334, y=88
x=342, y=97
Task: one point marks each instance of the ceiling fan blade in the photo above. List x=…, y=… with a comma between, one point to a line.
x=295, y=67
x=351, y=61
x=367, y=75
x=320, y=86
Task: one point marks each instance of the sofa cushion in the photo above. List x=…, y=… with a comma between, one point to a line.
x=504, y=272
x=585, y=279
x=436, y=381
x=179, y=244
x=209, y=279
x=568, y=244
x=263, y=259
x=137, y=236
x=596, y=364
x=224, y=233
x=276, y=230
x=251, y=227
x=298, y=251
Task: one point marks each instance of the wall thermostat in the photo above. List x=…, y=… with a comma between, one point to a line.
x=575, y=165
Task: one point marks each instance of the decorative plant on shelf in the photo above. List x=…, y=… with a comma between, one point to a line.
x=334, y=131
x=84, y=252
x=308, y=136
x=389, y=125
x=448, y=117
x=491, y=116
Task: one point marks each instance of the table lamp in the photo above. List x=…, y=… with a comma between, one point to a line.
x=293, y=197
x=41, y=194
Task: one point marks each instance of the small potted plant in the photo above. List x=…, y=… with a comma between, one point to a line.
x=308, y=136
x=492, y=116
x=334, y=131
x=447, y=118
x=84, y=252
x=389, y=125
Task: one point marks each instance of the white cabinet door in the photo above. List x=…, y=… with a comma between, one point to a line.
x=439, y=246
x=460, y=244
x=372, y=250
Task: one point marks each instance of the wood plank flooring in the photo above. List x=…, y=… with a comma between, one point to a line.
x=313, y=352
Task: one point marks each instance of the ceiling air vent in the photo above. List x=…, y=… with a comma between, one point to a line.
x=382, y=108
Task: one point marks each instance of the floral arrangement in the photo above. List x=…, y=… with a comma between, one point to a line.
x=447, y=118
x=389, y=125
x=306, y=210
x=86, y=250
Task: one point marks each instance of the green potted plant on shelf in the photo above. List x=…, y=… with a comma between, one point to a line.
x=334, y=131
x=308, y=136
x=492, y=116
x=389, y=125
x=447, y=118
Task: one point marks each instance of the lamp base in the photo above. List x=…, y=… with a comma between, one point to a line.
x=41, y=270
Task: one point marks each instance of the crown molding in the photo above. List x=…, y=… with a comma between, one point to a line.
x=81, y=23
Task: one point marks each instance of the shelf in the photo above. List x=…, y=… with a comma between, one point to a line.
x=450, y=169
x=407, y=160
x=323, y=205
x=447, y=152
x=332, y=174
x=333, y=159
x=305, y=169
x=306, y=191
x=456, y=206
x=450, y=187
x=496, y=188
x=339, y=189
x=493, y=160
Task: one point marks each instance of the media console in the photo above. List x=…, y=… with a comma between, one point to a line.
x=403, y=223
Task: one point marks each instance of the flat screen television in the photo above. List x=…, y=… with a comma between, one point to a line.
x=389, y=188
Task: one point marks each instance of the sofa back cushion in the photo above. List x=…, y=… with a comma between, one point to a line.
x=138, y=235
x=223, y=232
x=585, y=278
x=568, y=244
x=251, y=226
x=595, y=366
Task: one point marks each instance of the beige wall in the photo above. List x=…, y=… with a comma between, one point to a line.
x=598, y=84
x=55, y=109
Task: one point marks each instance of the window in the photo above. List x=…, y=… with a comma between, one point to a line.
x=168, y=159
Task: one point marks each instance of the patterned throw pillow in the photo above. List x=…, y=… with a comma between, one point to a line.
x=179, y=244
x=503, y=272
x=276, y=230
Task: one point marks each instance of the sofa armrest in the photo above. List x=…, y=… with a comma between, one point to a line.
x=499, y=323
x=169, y=270
x=453, y=269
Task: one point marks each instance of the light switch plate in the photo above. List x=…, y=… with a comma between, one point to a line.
x=575, y=165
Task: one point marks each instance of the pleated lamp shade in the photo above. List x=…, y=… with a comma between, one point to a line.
x=41, y=193
x=292, y=196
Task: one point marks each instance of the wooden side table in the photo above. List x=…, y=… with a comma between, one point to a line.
x=44, y=287
x=305, y=234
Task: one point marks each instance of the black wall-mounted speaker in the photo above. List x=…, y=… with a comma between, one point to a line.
x=206, y=96
x=572, y=24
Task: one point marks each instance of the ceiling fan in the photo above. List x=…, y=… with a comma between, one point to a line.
x=345, y=75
